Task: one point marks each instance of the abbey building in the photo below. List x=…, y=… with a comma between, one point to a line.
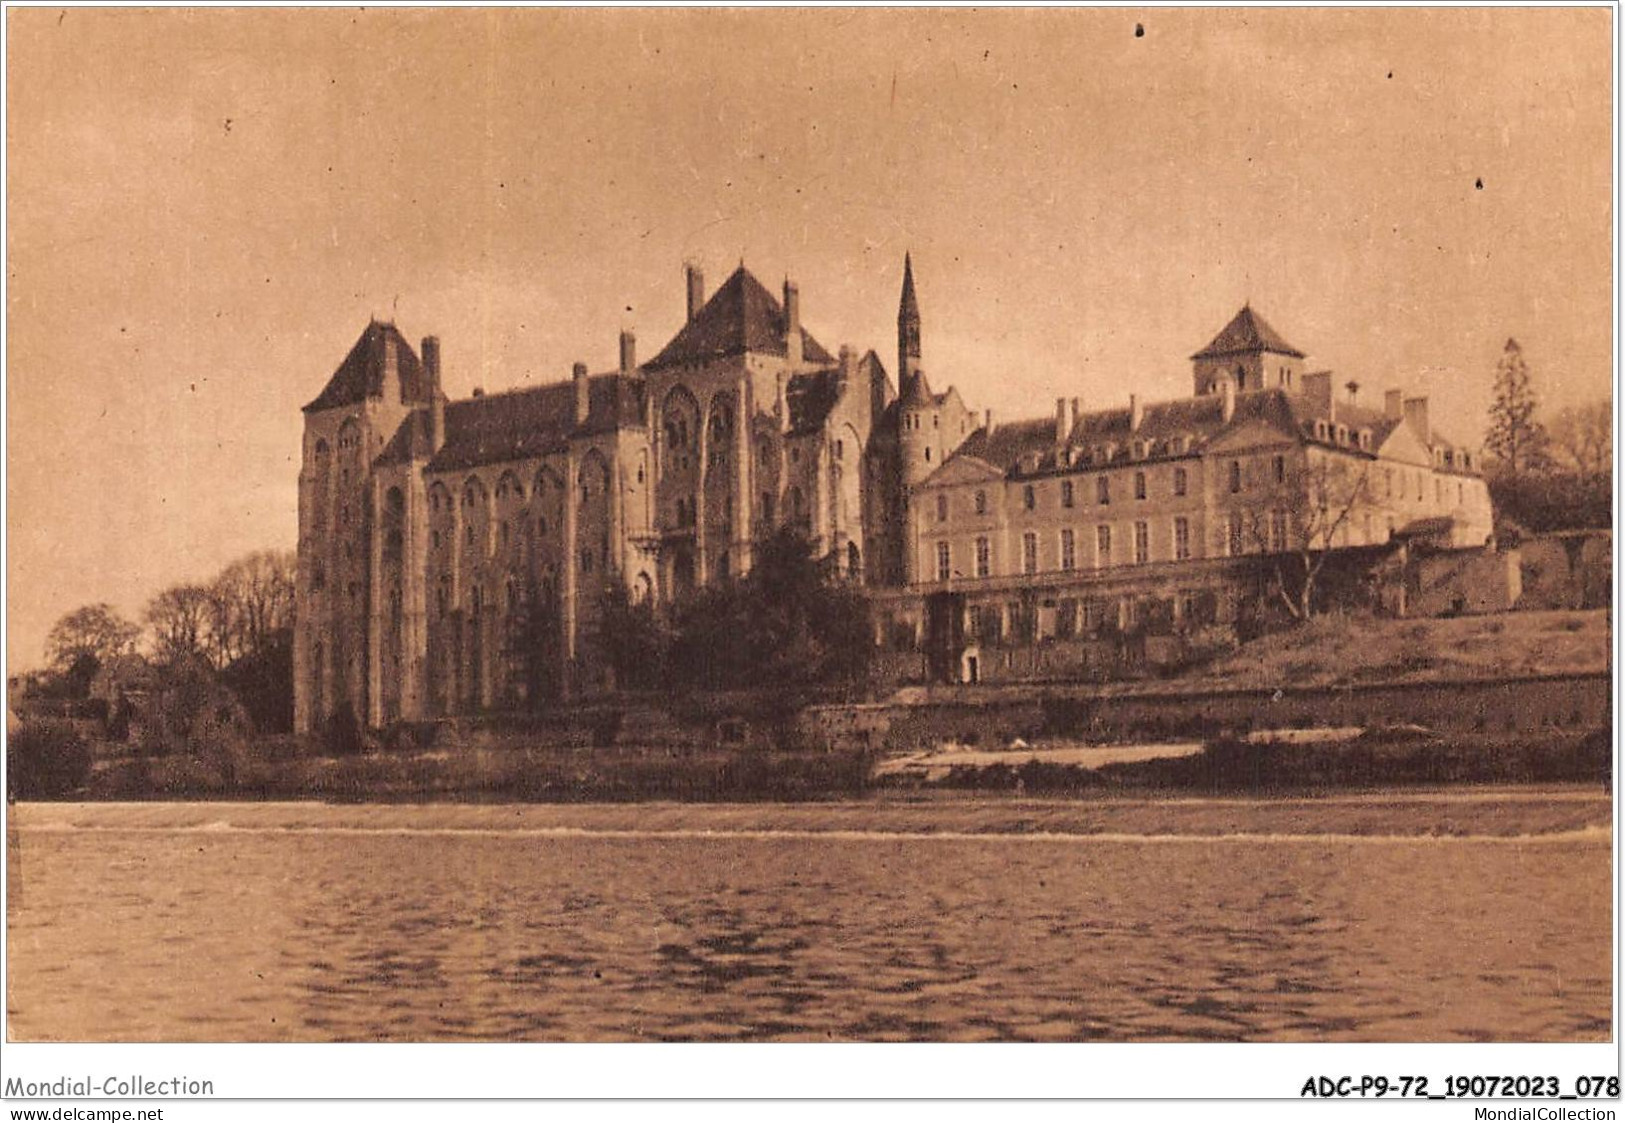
x=442, y=544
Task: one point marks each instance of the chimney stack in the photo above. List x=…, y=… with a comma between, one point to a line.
x=1062, y=432
x=1393, y=405
x=1416, y=412
x=1076, y=415
x=1136, y=412
x=1317, y=392
x=990, y=422
x=696, y=290
x=1227, y=398
x=792, y=323
x=437, y=399
x=578, y=376
x=849, y=364
x=431, y=360
x=629, y=351
x=781, y=406
x=392, y=368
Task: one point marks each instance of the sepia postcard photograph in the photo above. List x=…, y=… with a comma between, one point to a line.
x=810, y=525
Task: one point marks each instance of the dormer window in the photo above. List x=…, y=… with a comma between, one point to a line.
x=1365, y=439
x=1320, y=430
x=1342, y=434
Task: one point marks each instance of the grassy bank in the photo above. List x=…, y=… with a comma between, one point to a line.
x=1339, y=650
x=549, y=775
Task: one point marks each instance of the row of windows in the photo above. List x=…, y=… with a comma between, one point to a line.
x=593, y=479
x=1267, y=532
x=1067, y=550
x=1341, y=434
x=1103, y=493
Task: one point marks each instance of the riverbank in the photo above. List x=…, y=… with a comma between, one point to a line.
x=634, y=774
x=1476, y=812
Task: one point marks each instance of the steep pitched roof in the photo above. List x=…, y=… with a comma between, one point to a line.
x=1245, y=333
x=1198, y=420
x=916, y=391
x=741, y=316
x=1008, y=443
x=361, y=374
x=522, y=424
x=908, y=305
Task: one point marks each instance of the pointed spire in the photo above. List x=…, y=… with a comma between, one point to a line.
x=908, y=324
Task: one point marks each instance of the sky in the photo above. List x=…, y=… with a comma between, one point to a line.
x=205, y=207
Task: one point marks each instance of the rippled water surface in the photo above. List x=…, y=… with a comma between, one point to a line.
x=422, y=923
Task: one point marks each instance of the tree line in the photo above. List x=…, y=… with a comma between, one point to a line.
x=237, y=625
x=1546, y=473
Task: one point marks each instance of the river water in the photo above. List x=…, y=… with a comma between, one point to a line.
x=1477, y=917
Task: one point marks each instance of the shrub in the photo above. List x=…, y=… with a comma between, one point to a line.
x=46, y=760
x=341, y=734
x=410, y=736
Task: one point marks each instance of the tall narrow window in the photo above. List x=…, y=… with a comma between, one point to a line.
x=1103, y=490
x=1029, y=498
x=1069, y=552
x=1139, y=485
x=1029, y=552
x=1103, y=546
x=981, y=502
x=1235, y=476
x=1066, y=493
x=1277, y=532
x=984, y=558
x=942, y=508
x=1142, y=543
x=1234, y=540
x=1182, y=539
x=1280, y=469
x=1180, y=481
x=944, y=562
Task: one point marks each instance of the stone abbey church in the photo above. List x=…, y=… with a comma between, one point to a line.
x=429, y=528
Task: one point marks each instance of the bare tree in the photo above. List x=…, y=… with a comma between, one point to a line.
x=249, y=603
x=96, y=631
x=1297, y=522
x=1583, y=437
x=179, y=619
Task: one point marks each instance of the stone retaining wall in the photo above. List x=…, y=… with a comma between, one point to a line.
x=995, y=716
